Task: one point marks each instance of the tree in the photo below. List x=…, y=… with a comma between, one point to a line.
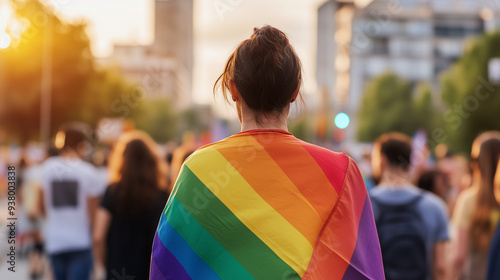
x=156, y=117
x=79, y=90
x=427, y=116
x=387, y=105
x=472, y=102
x=301, y=128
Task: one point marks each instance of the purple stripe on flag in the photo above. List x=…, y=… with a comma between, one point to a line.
x=154, y=272
x=364, y=261
x=167, y=266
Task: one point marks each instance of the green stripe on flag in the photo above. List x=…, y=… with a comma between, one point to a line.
x=218, y=221
x=205, y=246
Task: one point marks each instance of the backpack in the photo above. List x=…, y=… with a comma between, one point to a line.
x=401, y=232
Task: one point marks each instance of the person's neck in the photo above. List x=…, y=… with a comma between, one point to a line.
x=70, y=154
x=248, y=122
x=395, y=178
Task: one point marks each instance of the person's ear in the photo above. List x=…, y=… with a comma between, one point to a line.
x=295, y=93
x=235, y=94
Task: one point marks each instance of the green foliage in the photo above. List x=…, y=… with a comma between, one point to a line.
x=426, y=115
x=473, y=104
x=156, y=117
x=79, y=91
x=301, y=128
x=389, y=105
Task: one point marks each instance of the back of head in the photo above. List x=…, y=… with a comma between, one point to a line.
x=73, y=138
x=266, y=71
x=427, y=180
x=485, y=155
x=434, y=181
x=136, y=171
x=395, y=148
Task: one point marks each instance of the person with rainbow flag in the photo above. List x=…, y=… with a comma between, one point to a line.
x=262, y=204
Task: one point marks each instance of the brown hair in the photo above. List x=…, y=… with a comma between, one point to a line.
x=497, y=184
x=72, y=137
x=485, y=155
x=397, y=148
x=266, y=71
x=136, y=172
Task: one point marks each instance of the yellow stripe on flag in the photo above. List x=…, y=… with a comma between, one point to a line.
x=254, y=212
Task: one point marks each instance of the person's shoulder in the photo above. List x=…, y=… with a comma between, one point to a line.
x=376, y=192
x=49, y=162
x=468, y=195
x=52, y=165
x=433, y=202
x=318, y=150
x=198, y=154
x=326, y=157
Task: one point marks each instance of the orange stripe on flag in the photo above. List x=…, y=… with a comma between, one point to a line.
x=261, y=172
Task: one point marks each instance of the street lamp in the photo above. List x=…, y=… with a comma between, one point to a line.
x=46, y=83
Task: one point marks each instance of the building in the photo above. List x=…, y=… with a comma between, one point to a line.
x=415, y=39
x=164, y=68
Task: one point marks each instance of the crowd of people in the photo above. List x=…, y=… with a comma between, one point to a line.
x=91, y=215
x=122, y=209
x=260, y=202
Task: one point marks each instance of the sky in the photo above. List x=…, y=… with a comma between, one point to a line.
x=220, y=25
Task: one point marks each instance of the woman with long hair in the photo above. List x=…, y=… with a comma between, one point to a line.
x=476, y=211
x=130, y=208
x=262, y=204
x=493, y=272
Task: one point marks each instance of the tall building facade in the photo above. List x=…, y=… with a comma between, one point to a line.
x=417, y=40
x=164, y=68
x=174, y=30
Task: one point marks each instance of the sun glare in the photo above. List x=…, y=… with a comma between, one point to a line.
x=4, y=40
x=5, y=14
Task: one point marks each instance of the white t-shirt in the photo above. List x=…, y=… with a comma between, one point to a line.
x=67, y=183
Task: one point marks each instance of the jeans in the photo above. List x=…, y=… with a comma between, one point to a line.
x=72, y=265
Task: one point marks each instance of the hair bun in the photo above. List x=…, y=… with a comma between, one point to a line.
x=272, y=36
x=266, y=71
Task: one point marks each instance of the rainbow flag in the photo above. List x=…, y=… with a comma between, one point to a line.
x=264, y=205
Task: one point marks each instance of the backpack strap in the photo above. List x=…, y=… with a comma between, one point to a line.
x=384, y=207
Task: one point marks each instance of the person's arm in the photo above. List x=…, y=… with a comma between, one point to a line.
x=102, y=222
x=92, y=202
x=461, y=244
x=461, y=220
x=439, y=264
x=40, y=202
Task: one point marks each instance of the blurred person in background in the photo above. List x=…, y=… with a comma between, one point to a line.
x=435, y=182
x=476, y=211
x=493, y=272
x=100, y=160
x=130, y=208
x=180, y=154
x=29, y=224
x=365, y=166
x=458, y=172
x=260, y=203
x=170, y=148
x=69, y=190
x=412, y=224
